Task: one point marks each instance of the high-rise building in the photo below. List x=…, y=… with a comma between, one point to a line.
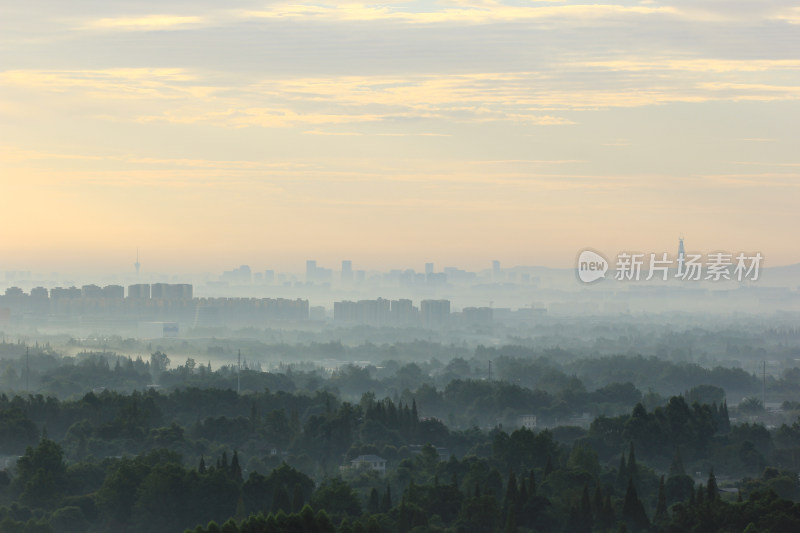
x=238, y=276
x=347, y=271
x=114, y=292
x=434, y=312
x=91, y=291
x=170, y=291
x=403, y=312
x=311, y=270
x=428, y=268
x=138, y=291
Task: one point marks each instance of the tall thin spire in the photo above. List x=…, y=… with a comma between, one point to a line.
x=137, y=265
x=681, y=256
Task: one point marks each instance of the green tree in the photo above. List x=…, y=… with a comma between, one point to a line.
x=41, y=475
x=298, y=500
x=337, y=498
x=280, y=500
x=17, y=431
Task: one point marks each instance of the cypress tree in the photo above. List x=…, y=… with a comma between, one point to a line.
x=548, y=467
x=661, y=506
x=574, y=520
x=676, y=467
x=633, y=510
x=386, y=503
x=609, y=517
x=711, y=487
x=511, y=521
x=403, y=523
x=373, y=506
x=510, y=501
x=411, y=491
x=622, y=473
x=236, y=470
x=725, y=421
x=224, y=461
x=586, y=511
x=598, y=502
x=633, y=470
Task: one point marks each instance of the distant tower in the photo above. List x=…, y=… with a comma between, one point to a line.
x=681, y=257
x=137, y=265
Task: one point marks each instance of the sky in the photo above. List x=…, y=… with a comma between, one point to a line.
x=210, y=134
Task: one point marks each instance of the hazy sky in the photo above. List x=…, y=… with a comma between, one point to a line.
x=211, y=134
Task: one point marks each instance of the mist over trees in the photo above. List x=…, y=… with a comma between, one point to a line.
x=118, y=434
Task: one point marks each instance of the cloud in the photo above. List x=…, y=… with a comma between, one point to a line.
x=544, y=98
x=332, y=133
x=753, y=91
x=114, y=83
x=413, y=135
x=146, y=23
x=790, y=15
x=763, y=180
x=765, y=163
x=527, y=161
x=704, y=65
x=10, y=154
x=465, y=13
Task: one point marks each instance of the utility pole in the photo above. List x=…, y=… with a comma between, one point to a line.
x=27, y=370
x=764, y=386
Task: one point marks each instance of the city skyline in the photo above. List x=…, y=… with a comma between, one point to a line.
x=394, y=133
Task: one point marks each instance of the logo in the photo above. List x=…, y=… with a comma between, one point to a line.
x=635, y=266
x=591, y=266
